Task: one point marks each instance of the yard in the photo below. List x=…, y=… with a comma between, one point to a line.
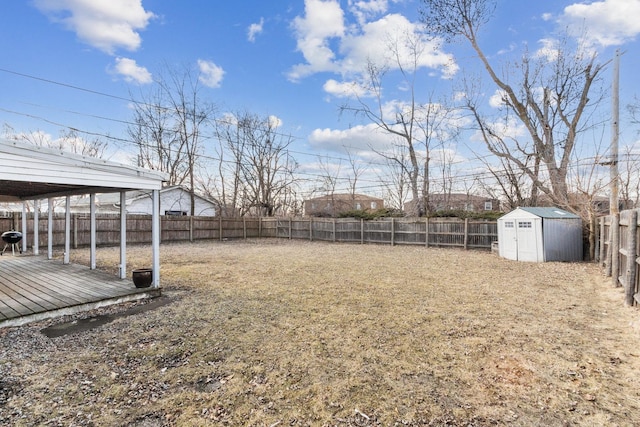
x=290, y=333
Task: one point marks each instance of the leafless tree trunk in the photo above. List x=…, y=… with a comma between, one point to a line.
x=552, y=121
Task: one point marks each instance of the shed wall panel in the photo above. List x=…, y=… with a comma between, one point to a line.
x=562, y=239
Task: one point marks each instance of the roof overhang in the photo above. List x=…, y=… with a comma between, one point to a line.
x=29, y=172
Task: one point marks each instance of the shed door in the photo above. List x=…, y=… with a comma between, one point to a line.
x=509, y=241
x=526, y=241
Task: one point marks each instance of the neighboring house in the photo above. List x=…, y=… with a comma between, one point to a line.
x=174, y=200
x=457, y=201
x=335, y=204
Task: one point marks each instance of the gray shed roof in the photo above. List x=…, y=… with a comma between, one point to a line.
x=552, y=212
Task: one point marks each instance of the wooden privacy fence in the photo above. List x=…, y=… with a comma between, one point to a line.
x=442, y=232
x=620, y=252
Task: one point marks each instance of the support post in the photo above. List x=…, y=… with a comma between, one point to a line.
x=67, y=230
x=632, y=265
x=603, y=246
x=24, y=227
x=36, y=226
x=244, y=227
x=614, y=244
x=123, y=235
x=393, y=231
x=92, y=220
x=155, y=239
x=191, y=228
x=426, y=231
x=49, y=228
x=466, y=234
x=362, y=231
x=311, y=229
x=334, y=229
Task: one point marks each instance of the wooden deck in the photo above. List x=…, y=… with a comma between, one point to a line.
x=33, y=288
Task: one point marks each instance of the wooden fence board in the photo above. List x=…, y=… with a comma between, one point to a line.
x=620, y=252
x=438, y=232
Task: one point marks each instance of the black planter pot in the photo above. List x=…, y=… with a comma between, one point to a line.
x=142, y=277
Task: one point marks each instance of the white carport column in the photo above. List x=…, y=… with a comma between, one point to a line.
x=36, y=226
x=67, y=229
x=92, y=219
x=155, y=238
x=50, y=228
x=24, y=227
x=123, y=235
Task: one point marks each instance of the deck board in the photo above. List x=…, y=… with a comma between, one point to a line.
x=32, y=287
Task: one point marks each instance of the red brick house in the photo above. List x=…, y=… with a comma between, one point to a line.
x=457, y=201
x=333, y=205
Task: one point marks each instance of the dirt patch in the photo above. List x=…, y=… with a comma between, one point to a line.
x=302, y=334
x=96, y=320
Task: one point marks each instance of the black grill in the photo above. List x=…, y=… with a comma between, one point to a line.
x=11, y=238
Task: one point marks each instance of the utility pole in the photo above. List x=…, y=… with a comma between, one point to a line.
x=615, y=131
x=614, y=211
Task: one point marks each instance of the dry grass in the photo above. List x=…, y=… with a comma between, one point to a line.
x=275, y=332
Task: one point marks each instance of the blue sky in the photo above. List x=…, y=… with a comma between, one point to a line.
x=74, y=63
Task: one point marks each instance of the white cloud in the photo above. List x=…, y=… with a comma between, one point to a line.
x=323, y=20
x=354, y=139
x=210, y=74
x=393, y=32
x=497, y=99
x=549, y=50
x=344, y=89
x=329, y=46
x=509, y=128
x=254, y=30
x=106, y=24
x=131, y=71
x=365, y=10
x=275, y=122
x=606, y=22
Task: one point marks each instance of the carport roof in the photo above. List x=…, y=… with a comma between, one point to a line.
x=30, y=172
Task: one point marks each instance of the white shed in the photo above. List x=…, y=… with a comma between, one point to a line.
x=540, y=234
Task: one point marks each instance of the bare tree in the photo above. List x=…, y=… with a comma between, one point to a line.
x=262, y=170
x=418, y=126
x=550, y=96
x=630, y=177
x=357, y=169
x=191, y=113
x=153, y=131
x=69, y=140
x=396, y=179
x=168, y=127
